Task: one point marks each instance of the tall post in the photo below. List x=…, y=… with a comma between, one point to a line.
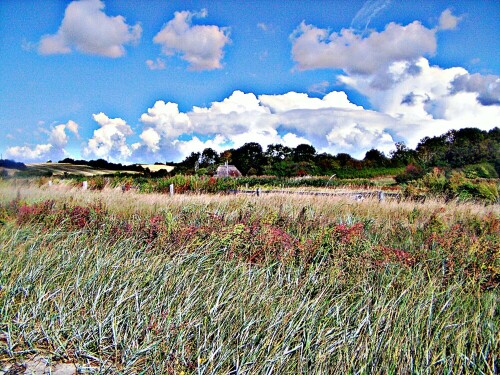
x=171, y=190
x=381, y=196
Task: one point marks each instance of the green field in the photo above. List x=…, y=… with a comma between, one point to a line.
x=134, y=283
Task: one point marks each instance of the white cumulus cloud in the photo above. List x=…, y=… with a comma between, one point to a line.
x=331, y=123
x=166, y=120
x=27, y=153
x=293, y=100
x=314, y=48
x=151, y=139
x=110, y=140
x=447, y=21
x=200, y=45
x=434, y=101
x=72, y=127
x=58, y=137
x=184, y=148
x=54, y=148
x=487, y=87
x=86, y=28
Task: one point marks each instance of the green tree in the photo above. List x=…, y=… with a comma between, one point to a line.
x=304, y=152
x=209, y=157
x=375, y=158
x=277, y=152
x=326, y=164
x=402, y=156
x=188, y=165
x=248, y=156
x=344, y=159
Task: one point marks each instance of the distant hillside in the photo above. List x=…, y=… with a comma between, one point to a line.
x=59, y=169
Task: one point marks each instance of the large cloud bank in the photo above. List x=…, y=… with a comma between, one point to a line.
x=428, y=104
x=425, y=104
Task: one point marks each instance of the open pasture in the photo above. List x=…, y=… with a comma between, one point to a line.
x=210, y=284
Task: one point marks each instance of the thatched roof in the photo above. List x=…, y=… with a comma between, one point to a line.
x=227, y=171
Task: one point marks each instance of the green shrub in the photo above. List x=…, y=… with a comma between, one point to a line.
x=97, y=183
x=436, y=181
x=488, y=191
x=482, y=170
x=412, y=172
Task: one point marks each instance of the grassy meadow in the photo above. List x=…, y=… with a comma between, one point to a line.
x=129, y=283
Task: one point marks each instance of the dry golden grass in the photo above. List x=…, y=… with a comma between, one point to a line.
x=156, y=168
x=390, y=211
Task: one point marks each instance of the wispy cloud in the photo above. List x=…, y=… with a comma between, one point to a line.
x=159, y=64
x=263, y=26
x=368, y=11
x=319, y=88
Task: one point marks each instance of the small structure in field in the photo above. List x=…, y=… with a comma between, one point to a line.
x=227, y=170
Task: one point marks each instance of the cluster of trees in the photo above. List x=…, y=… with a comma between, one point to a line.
x=277, y=160
x=454, y=149
x=11, y=164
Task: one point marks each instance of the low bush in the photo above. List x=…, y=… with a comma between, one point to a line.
x=483, y=170
x=412, y=172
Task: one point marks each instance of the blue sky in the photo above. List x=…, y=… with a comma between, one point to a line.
x=155, y=81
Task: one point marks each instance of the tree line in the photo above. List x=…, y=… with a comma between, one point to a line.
x=454, y=149
x=471, y=148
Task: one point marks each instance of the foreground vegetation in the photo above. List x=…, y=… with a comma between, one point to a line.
x=130, y=283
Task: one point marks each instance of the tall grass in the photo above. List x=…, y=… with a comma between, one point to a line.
x=134, y=283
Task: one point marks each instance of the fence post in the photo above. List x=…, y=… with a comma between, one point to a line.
x=258, y=191
x=84, y=185
x=171, y=190
x=381, y=196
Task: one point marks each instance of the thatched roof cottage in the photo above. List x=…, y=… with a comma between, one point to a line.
x=227, y=170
